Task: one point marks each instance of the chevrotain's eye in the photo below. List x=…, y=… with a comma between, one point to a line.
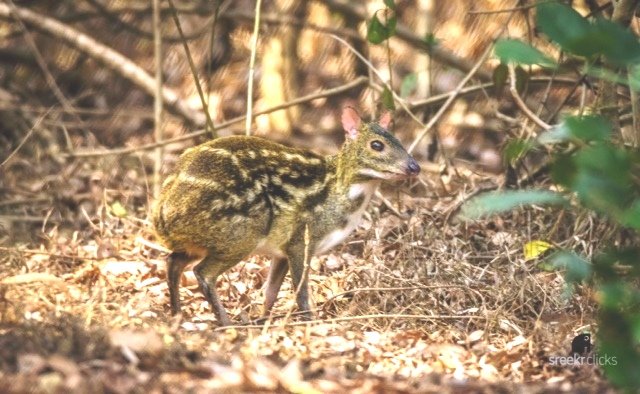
x=377, y=146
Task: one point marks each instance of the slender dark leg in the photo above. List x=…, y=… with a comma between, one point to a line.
x=277, y=272
x=207, y=272
x=299, y=278
x=176, y=262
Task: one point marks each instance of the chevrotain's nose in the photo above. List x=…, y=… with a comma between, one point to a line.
x=413, y=168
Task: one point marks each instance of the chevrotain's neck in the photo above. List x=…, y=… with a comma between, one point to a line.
x=346, y=166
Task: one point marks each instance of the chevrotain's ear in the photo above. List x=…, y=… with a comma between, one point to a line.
x=385, y=119
x=351, y=122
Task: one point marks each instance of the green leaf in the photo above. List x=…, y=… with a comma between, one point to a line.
x=634, y=77
x=563, y=170
x=518, y=52
x=617, y=44
x=376, y=31
x=391, y=25
x=431, y=40
x=588, y=127
x=387, y=99
x=631, y=216
x=499, y=77
x=606, y=161
x=390, y=4
x=600, y=193
x=502, y=201
x=516, y=148
x=582, y=128
x=522, y=79
x=577, y=268
x=566, y=27
x=606, y=74
x=408, y=85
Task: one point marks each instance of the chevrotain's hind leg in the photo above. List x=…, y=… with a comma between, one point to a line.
x=277, y=272
x=176, y=262
x=207, y=272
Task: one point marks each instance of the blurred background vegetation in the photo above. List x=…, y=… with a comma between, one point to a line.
x=98, y=97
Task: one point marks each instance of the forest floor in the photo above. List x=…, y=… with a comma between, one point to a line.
x=415, y=304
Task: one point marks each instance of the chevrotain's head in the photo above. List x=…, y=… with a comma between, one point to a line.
x=375, y=152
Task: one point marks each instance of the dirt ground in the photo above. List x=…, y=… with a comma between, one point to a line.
x=418, y=303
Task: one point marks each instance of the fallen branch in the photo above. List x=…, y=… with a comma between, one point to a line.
x=112, y=59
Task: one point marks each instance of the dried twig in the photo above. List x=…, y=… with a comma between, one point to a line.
x=438, y=53
x=194, y=71
x=360, y=317
x=26, y=137
x=520, y=103
x=51, y=81
x=112, y=59
x=396, y=97
x=157, y=104
x=252, y=64
x=452, y=96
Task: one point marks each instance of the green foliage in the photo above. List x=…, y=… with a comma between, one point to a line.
x=522, y=79
x=578, y=129
x=499, y=77
x=387, y=99
x=502, y=201
x=587, y=164
x=566, y=27
x=516, y=51
x=575, y=267
x=378, y=32
x=516, y=149
x=576, y=35
x=390, y=4
x=431, y=40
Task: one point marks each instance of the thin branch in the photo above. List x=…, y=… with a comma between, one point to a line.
x=210, y=48
x=360, y=317
x=118, y=23
x=112, y=59
x=520, y=103
x=301, y=100
x=452, y=96
x=371, y=67
x=419, y=104
x=51, y=81
x=157, y=104
x=26, y=137
x=505, y=10
x=252, y=64
x=438, y=53
x=474, y=70
x=194, y=71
